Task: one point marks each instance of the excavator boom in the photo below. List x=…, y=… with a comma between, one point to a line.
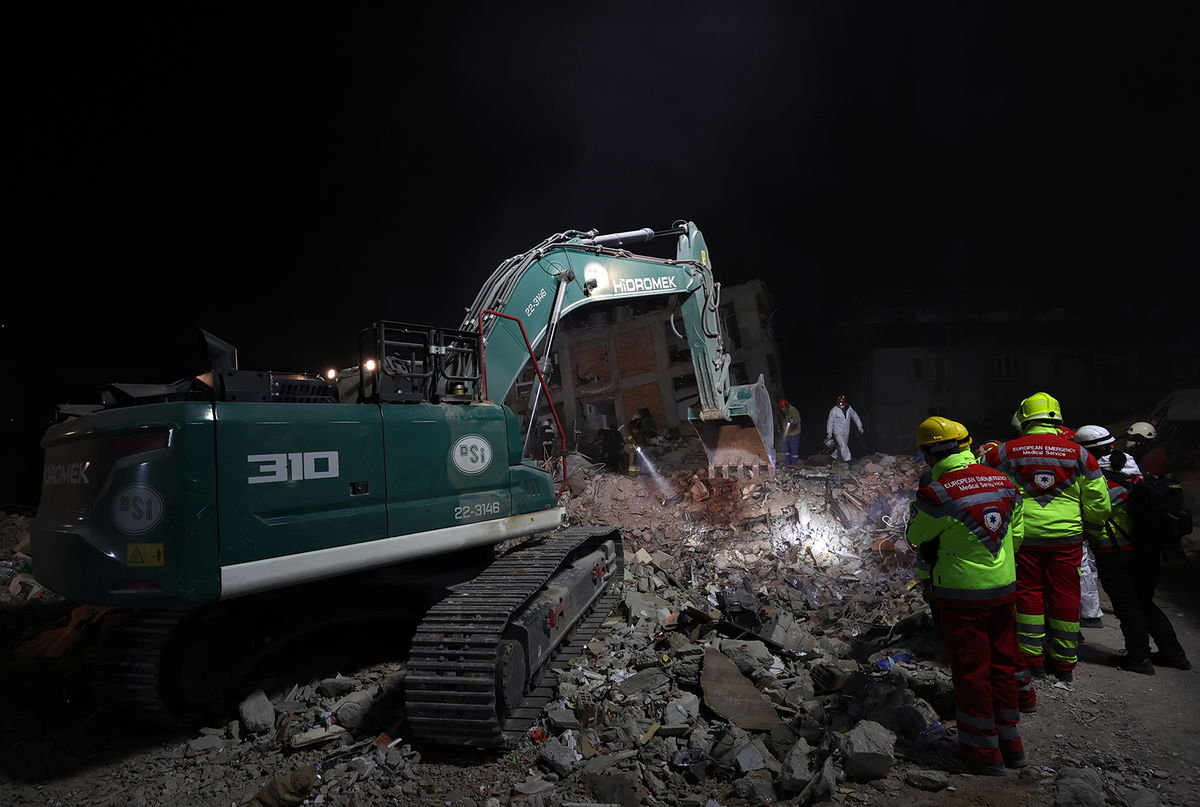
x=573, y=269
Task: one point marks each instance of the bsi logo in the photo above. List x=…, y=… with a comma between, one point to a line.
x=294, y=467
x=137, y=509
x=471, y=454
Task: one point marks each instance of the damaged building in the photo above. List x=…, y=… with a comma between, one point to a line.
x=973, y=362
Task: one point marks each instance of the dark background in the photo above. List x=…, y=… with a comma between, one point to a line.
x=283, y=176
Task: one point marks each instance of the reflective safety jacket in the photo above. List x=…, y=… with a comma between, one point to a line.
x=1065, y=494
x=1115, y=535
x=968, y=524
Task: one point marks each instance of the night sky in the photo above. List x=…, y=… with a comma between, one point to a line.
x=283, y=176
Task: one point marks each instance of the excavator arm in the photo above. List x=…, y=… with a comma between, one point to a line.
x=573, y=269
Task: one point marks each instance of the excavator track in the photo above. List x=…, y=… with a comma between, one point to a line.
x=459, y=659
x=126, y=677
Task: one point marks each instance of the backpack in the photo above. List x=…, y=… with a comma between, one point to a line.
x=1160, y=518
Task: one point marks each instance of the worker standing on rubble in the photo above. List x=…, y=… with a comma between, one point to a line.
x=837, y=427
x=1128, y=567
x=548, y=433
x=612, y=446
x=790, y=427
x=636, y=439
x=1065, y=496
x=967, y=525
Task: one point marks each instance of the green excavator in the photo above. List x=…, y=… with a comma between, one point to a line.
x=220, y=515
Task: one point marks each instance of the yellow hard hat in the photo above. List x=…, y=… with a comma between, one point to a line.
x=937, y=433
x=1039, y=406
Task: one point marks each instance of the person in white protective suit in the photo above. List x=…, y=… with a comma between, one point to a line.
x=837, y=427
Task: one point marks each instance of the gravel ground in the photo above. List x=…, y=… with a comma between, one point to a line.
x=1111, y=737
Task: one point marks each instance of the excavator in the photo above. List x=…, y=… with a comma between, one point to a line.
x=222, y=515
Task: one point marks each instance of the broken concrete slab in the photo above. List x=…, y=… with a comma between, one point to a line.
x=752, y=658
x=257, y=713
x=558, y=757
x=336, y=686
x=352, y=710
x=644, y=681
x=616, y=788
x=823, y=784
x=868, y=751
x=1079, y=787
x=733, y=696
x=796, y=771
x=932, y=781
x=316, y=736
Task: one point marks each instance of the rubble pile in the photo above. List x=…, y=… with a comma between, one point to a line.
x=17, y=583
x=825, y=520
x=769, y=647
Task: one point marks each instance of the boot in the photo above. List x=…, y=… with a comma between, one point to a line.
x=1016, y=760
x=954, y=762
x=1179, y=662
x=1131, y=664
x=1037, y=672
x=1063, y=675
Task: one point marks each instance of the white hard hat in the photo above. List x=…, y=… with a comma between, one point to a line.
x=1093, y=436
x=1142, y=430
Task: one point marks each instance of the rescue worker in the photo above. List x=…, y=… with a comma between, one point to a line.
x=636, y=439
x=790, y=428
x=1090, y=613
x=967, y=525
x=1129, y=572
x=1140, y=442
x=1065, y=495
x=837, y=427
x=613, y=447
x=547, y=433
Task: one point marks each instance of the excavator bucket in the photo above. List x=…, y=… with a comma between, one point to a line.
x=741, y=445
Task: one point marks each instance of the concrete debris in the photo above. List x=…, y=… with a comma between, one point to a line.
x=17, y=583
x=558, y=756
x=257, y=713
x=932, y=781
x=730, y=694
x=290, y=789
x=867, y=751
x=796, y=770
x=1079, y=787
x=321, y=734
